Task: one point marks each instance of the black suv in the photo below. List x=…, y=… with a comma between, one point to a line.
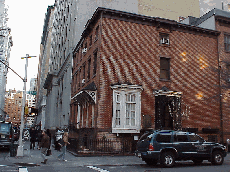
x=166, y=146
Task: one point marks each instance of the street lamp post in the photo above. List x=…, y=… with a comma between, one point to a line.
x=20, y=146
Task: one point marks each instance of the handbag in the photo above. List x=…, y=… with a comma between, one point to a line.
x=48, y=153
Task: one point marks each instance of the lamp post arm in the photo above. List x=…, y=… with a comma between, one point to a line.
x=11, y=69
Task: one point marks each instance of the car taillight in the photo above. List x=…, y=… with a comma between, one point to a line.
x=151, y=148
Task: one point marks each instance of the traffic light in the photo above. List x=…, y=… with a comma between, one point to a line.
x=26, y=110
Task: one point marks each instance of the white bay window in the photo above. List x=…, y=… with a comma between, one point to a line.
x=126, y=108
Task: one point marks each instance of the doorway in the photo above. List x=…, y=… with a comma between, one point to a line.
x=167, y=112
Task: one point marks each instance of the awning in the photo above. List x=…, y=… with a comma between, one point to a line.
x=88, y=94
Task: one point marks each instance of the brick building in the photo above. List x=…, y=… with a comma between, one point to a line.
x=219, y=20
x=133, y=73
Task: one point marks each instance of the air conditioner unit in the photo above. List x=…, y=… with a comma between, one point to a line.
x=164, y=41
x=84, y=50
x=83, y=81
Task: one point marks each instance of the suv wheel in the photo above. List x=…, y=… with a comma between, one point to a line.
x=168, y=159
x=217, y=158
x=150, y=161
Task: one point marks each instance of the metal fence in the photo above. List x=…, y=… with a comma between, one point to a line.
x=100, y=146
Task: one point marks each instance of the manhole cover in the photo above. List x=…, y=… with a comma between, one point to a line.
x=27, y=164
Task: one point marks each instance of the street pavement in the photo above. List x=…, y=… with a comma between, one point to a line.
x=32, y=161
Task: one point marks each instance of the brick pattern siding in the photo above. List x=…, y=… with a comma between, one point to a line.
x=129, y=52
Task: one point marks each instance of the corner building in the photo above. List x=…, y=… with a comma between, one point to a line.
x=132, y=73
x=63, y=27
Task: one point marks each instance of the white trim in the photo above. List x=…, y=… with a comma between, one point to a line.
x=123, y=90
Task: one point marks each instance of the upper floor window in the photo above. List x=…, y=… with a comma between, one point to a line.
x=227, y=43
x=89, y=65
x=164, y=38
x=90, y=40
x=97, y=33
x=164, y=68
x=83, y=75
x=95, y=62
x=84, y=50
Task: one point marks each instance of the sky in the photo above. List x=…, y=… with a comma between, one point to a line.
x=26, y=19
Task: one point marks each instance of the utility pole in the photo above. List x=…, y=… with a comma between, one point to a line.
x=20, y=146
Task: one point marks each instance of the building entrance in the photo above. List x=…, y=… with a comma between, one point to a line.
x=167, y=110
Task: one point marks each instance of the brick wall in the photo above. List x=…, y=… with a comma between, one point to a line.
x=130, y=52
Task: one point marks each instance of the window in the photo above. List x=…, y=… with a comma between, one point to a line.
x=83, y=74
x=95, y=63
x=84, y=50
x=96, y=33
x=90, y=40
x=130, y=109
x=126, y=109
x=89, y=64
x=79, y=78
x=164, y=68
x=228, y=72
x=180, y=138
x=227, y=43
x=195, y=138
x=163, y=138
x=118, y=110
x=164, y=38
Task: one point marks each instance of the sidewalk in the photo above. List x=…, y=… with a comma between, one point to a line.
x=33, y=158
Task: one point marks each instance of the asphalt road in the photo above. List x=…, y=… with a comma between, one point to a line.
x=106, y=164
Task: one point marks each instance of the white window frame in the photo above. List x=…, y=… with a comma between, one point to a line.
x=123, y=126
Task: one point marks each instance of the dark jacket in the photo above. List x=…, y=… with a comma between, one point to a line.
x=45, y=142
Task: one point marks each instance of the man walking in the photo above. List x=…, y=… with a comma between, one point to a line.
x=45, y=145
x=63, y=143
x=32, y=138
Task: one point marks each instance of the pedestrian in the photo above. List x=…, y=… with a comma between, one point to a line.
x=39, y=136
x=45, y=145
x=32, y=138
x=58, y=136
x=49, y=134
x=63, y=143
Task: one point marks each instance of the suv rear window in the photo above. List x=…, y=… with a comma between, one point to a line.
x=163, y=138
x=145, y=136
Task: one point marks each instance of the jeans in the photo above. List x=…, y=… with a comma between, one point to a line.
x=43, y=153
x=62, y=155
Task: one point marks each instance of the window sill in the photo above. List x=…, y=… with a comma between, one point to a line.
x=165, y=80
x=164, y=45
x=125, y=130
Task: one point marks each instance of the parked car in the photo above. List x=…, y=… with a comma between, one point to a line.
x=167, y=146
x=6, y=133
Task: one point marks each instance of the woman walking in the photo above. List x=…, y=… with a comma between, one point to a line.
x=63, y=143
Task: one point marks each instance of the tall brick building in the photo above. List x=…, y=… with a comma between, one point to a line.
x=133, y=73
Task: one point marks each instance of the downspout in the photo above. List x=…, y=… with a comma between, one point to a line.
x=220, y=92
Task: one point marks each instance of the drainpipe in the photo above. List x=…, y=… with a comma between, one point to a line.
x=220, y=94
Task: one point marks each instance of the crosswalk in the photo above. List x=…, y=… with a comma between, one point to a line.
x=97, y=169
